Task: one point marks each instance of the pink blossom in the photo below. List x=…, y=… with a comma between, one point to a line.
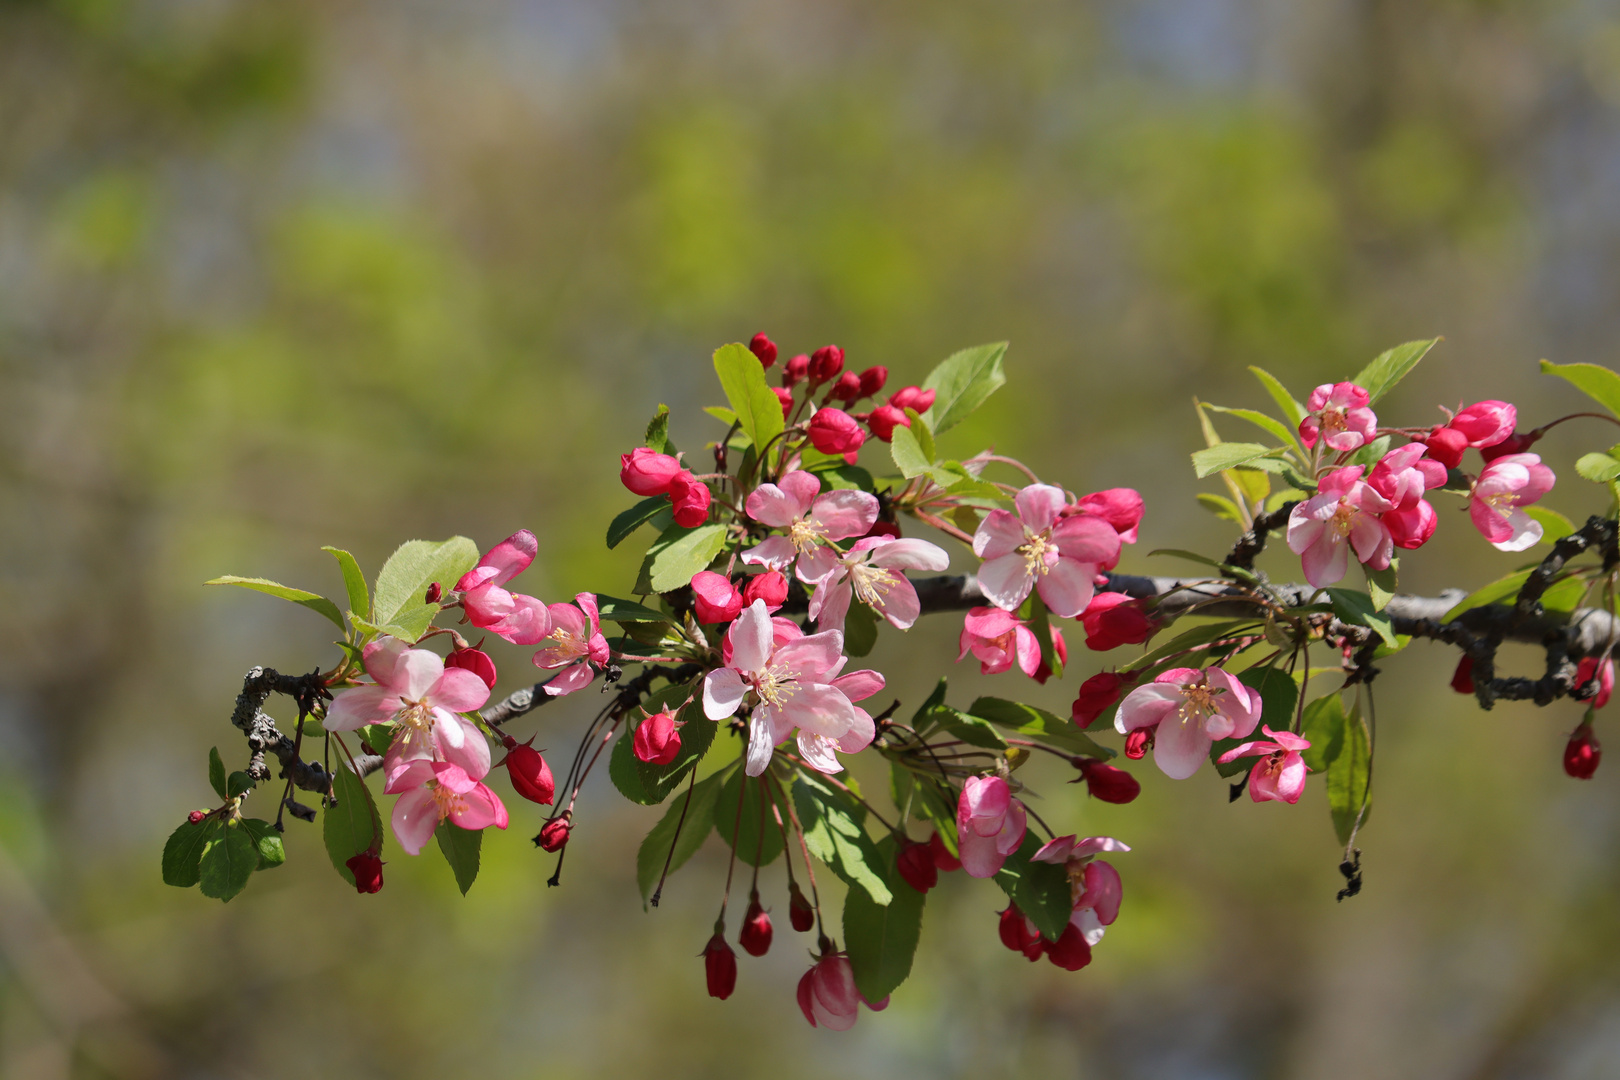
x=1343, y=514
x=1505, y=485
x=1093, y=884
x=1120, y=507
x=998, y=640
x=476, y=661
x=770, y=587
x=1402, y=476
x=1036, y=549
x=1339, y=416
x=415, y=691
x=647, y=472
x=518, y=618
x=812, y=520
x=1280, y=772
x=834, y=431
x=690, y=499
x=431, y=792
x=714, y=598
x=827, y=994
x=658, y=739
x=870, y=573
x=791, y=685
x=1188, y=709
x=575, y=644
x=990, y=825
x=1485, y=423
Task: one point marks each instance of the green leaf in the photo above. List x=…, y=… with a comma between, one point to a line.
x=658, y=433
x=352, y=825
x=461, y=849
x=1595, y=381
x=354, y=582
x=1293, y=410
x=1036, y=723
x=1356, y=607
x=1564, y=596
x=1191, y=556
x=846, y=477
x=923, y=434
x=935, y=699
x=1349, y=779
x=1191, y=639
x=313, y=601
x=860, y=630
x=1390, y=367
x=974, y=730
x=1597, y=467
x=1265, y=423
x=1040, y=624
x=613, y=609
x=238, y=783
x=699, y=821
x=1381, y=583
x=1220, y=506
x=272, y=852
x=228, y=860
x=1323, y=726
x=882, y=939
x=746, y=821
x=961, y=383
x=1554, y=526
x=1503, y=588
x=634, y=518
x=679, y=553
x=216, y=772
x=411, y=623
x=834, y=834
x=379, y=737
x=183, y=852
x=908, y=456
x=1040, y=889
x=403, y=581
x=622, y=771
x=743, y=380
x=1278, y=696
x=1225, y=455
x=1371, y=453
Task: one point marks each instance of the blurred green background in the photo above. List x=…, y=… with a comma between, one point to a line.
x=279, y=274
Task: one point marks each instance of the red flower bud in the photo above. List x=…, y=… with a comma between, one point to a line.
x=367, y=871
x=1097, y=694
x=719, y=967
x=756, y=932
x=714, y=598
x=1446, y=445
x=1020, y=935
x=476, y=661
x=872, y=380
x=1113, y=619
x=800, y=914
x=1120, y=507
x=1462, y=680
x=434, y=591
x=913, y=398
x=883, y=528
x=847, y=389
x=1485, y=423
x=770, y=587
x=1516, y=443
x=1107, y=783
x=196, y=816
x=764, y=348
x=554, y=834
x=916, y=865
x=825, y=363
x=884, y=419
x=1137, y=743
x=690, y=498
x=785, y=396
x=1583, y=753
x=834, y=431
x=943, y=859
x=646, y=472
x=530, y=775
x=1061, y=648
x=657, y=742
x=1070, y=951
x=795, y=370
x=1590, y=668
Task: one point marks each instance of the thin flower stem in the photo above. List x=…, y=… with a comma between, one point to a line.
x=679, y=825
x=736, y=827
x=804, y=849
x=845, y=789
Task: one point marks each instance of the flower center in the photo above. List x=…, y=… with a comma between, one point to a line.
x=775, y=688
x=415, y=719
x=569, y=646
x=1501, y=502
x=1197, y=704
x=1344, y=519
x=1034, y=552
x=871, y=584
x=1333, y=421
x=446, y=801
x=806, y=535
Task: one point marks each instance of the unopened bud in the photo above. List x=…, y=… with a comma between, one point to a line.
x=553, y=835
x=834, y=431
x=367, y=870
x=1462, y=680
x=764, y=348
x=884, y=419
x=872, y=380
x=1020, y=935
x=756, y=931
x=943, y=859
x=1108, y=783
x=826, y=363
x=785, y=396
x=657, y=742
x=1517, y=443
x=719, y=967
x=795, y=370
x=714, y=598
x=883, y=528
x=433, y=594
x=531, y=776
x=800, y=914
x=1446, y=445
x=770, y=587
x=1583, y=753
x=1097, y=694
x=476, y=661
x=913, y=398
x=690, y=499
x=196, y=816
x=646, y=472
x=916, y=866
x=1137, y=743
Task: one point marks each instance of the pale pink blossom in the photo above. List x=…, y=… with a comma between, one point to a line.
x=431, y=792
x=1343, y=514
x=1280, y=772
x=1037, y=549
x=1402, y=476
x=415, y=691
x=1485, y=423
x=791, y=687
x=518, y=618
x=998, y=640
x=812, y=521
x=1189, y=708
x=870, y=572
x=1505, y=485
x=990, y=825
x=1337, y=413
x=1098, y=904
x=575, y=644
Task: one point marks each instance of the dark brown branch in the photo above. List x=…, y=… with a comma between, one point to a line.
x=1253, y=542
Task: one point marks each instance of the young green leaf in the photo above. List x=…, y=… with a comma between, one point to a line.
x=1390, y=367
x=612, y=609
x=1040, y=624
x=974, y=730
x=1503, y=588
x=1225, y=455
x=1034, y=723
x=1323, y=726
x=461, y=848
x=1381, y=583
x=403, y=581
x=743, y=380
x=697, y=736
x=923, y=434
x=860, y=630
x=216, y=772
x=238, y=783
x=183, y=852
x=1595, y=381
x=354, y=582
x=698, y=822
x=961, y=383
x=634, y=518
x=1349, y=779
x=909, y=457
x=1220, y=506
x=882, y=939
x=1356, y=607
x=1597, y=467
x=834, y=834
x=1293, y=410
x=745, y=820
x=679, y=553
x=1040, y=889
x=352, y=825
x=272, y=852
x=313, y=601
x=1266, y=423
x=411, y=623
x=228, y=860
x=658, y=432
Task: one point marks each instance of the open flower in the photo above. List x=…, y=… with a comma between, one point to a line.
x=417, y=692
x=1402, y=476
x=998, y=640
x=870, y=572
x=990, y=824
x=1485, y=423
x=1036, y=549
x=574, y=644
x=1280, y=772
x=812, y=520
x=791, y=686
x=518, y=618
x=1505, y=485
x=1188, y=710
x=1338, y=414
x=434, y=791
x=1344, y=514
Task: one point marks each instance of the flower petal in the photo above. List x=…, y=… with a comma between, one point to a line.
x=1006, y=581
x=1039, y=506
x=1067, y=587
x=362, y=705
x=845, y=513
x=723, y=691
x=414, y=818
x=1180, y=747
x=573, y=678
x=1000, y=533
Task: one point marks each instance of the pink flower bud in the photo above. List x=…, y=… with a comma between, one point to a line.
x=1096, y=695
x=196, y=816
x=1583, y=753
x=1486, y=424
x=800, y=914
x=1517, y=443
x=884, y=419
x=883, y=528
x=1020, y=935
x=367, y=871
x=1589, y=669
x=916, y=866
x=872, y=380
x=795, y=370
x=770, y=587
x=646, y=472
x=1060, y=647
x=1070, y=951
x=476, y=661
x=554, y=834
x=1113, y=619
x=785, y=396
x=1446, y=445
x=657, y=741
x=434, y=591
x=1138, y=742
x=1462, y=680
x=943, y=859
x=1107, y=783
x=690, y=498
x=847, y=389
x=719, y=967
x=764, y=348
x=531, y=776
x=1120, y=507
x=827, y=994
x=834, y=431
x=910, y=397
x=714, y=598
x=756, y=931
x=826, y=363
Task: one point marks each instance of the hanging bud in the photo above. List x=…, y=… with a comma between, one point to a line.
x=770, y=587
x=943, y=859
x=800, y=914
x=1138, y=742
x=657, y=742
x=1071, y=951
x=764, y=348
x=1107, y=783
x=1020, y=935
x=554, y=834
x=884, y=419
x=434, y=591
x=916, y=865
x=827, y=994
x=531, y=776
x=756, y=931
x=795, y=370
x=834, y=431
x=826, y=363
x=1591, y=668
x=1517, y=443
x=720, y=966
x=872, y=380
x=1583, y=753
x=367, y=871
x=476, y=661
x=1462, y=680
